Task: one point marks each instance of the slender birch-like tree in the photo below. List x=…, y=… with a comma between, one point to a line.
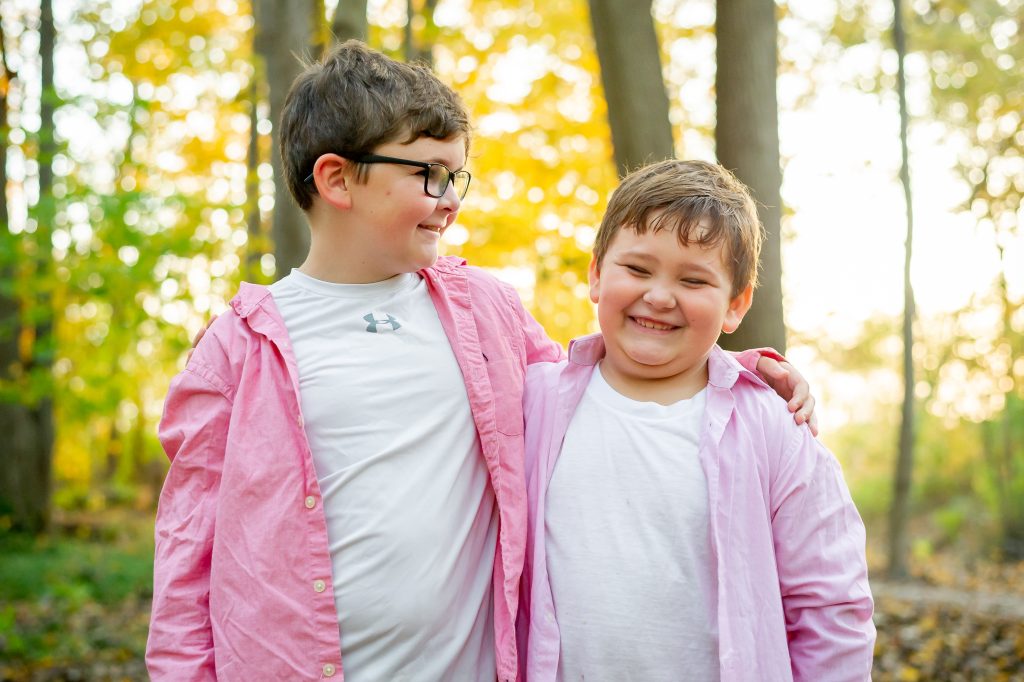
x=899, y=510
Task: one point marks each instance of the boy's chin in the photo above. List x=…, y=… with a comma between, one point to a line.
x=660, y=367
x=651, y=359
x=426, y=261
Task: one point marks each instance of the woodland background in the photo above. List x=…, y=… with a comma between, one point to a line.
x=136, y=157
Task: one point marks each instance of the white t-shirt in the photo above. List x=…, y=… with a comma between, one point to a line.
x=411, y=516
x=628, y=544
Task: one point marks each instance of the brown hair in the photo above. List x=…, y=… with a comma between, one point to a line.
x=681, y=196
x=356, y=99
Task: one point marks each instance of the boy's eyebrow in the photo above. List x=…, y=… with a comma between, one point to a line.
x=443, y=161
x=438, y=159
x=648, y=257
x=633, y=253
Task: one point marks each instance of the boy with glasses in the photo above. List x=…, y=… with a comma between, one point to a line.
x=346, y=493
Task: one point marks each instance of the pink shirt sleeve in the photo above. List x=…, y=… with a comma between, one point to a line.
x=193, y=432
x=539, y=346
x=819, y=546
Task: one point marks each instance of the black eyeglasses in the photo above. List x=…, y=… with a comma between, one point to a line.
x=436, y=176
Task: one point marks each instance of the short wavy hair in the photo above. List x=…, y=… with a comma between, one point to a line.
x=355, y=99
x=687, y=197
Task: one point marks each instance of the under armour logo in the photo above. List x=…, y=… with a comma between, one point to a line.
x=380, y=322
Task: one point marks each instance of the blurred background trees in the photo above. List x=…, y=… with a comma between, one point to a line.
x=139, y=160
x=140, y=189
x=967, y=57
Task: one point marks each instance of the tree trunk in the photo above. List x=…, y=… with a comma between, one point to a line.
x=12, y=412
x=26, y=420
x=627, y=49
x=898, y=513
x=747, y=143
x=349, y=20
x=420, y=31
x=1009, y=473
x=254, y=219
x=284, y=31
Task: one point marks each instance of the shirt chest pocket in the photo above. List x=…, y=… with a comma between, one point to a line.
x=506, y=369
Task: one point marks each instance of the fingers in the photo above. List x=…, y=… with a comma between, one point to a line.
x=799, y=393
x=804, y=412
x=197, y=337
x=801, y=403
x=793, y=388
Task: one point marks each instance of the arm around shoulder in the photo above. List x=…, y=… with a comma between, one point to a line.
x=819, y=544
x=784, y=379
x=539, y=346
x=193, y=432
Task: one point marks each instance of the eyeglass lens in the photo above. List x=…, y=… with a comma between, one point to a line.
x=438, y=178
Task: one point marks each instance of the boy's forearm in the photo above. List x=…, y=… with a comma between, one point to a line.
x=539, y=346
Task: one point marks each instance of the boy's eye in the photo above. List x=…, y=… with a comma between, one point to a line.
x=694, y=282
x=636, y=269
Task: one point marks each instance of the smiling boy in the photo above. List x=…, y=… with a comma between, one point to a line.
x=661, y=307
x=681, y=526
x=346, y=496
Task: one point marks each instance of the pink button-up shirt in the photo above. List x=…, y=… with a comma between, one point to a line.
x=788, y=544
x=242, y=575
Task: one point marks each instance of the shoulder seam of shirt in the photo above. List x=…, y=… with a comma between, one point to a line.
x=244, y=304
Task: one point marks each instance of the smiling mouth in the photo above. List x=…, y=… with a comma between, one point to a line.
x=432, y=228
x=648, y=323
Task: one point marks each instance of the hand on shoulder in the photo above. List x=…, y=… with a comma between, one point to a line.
x=790, y=384
x=198, y=336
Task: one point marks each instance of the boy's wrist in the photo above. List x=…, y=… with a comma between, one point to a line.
x=771, y=353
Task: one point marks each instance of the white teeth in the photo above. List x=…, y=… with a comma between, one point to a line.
x=651, y=324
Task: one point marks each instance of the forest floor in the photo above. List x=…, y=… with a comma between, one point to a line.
x=959, y=618
x=76, y=607
x=947, y=634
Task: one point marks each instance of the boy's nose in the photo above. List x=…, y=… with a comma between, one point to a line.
x=659, y=297
x=449, y=201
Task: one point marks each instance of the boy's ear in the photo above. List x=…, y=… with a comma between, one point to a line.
x=332, y=175
x=738, y=307
x=594, y=275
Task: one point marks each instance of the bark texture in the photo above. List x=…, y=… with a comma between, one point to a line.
x=747, y=143
x=627, y=49
x=285, y=32
x=26, y=420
